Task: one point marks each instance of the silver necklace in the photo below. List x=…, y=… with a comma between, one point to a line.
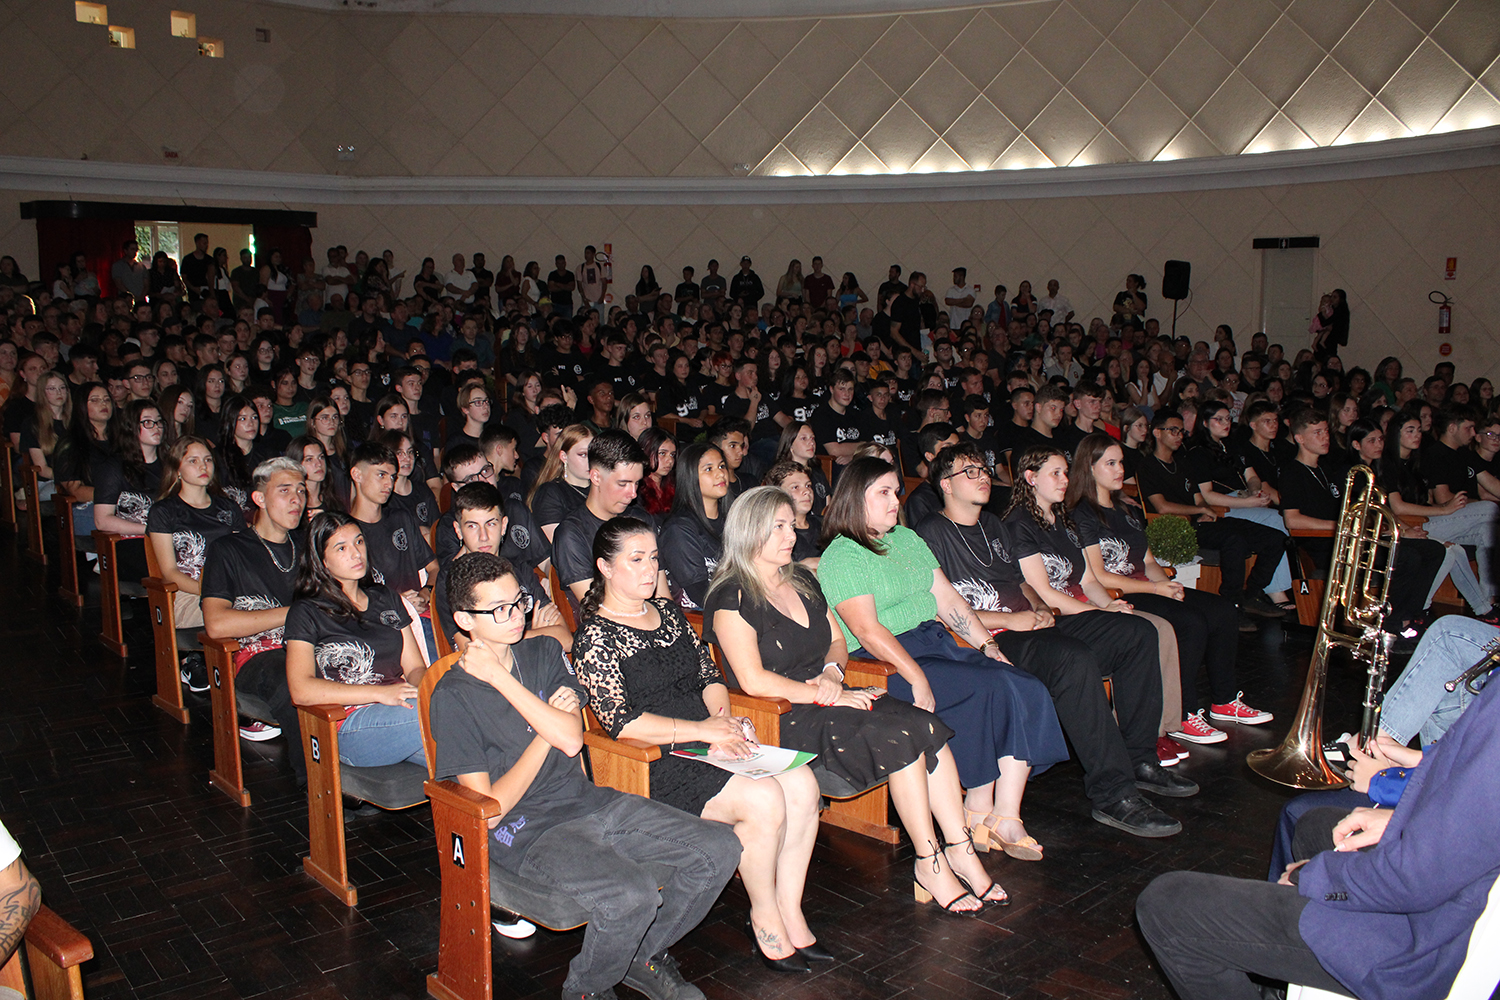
x=274, y=561
x=645, y=610
x=982, y=533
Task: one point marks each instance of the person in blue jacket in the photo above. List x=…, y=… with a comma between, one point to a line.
x=1385, y=923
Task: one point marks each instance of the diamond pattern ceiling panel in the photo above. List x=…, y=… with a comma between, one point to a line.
x=1042, y=83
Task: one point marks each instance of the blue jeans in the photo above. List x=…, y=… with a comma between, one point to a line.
x=1456, y=565
x=373, y=735
x=83, y=520
x=1417, y=702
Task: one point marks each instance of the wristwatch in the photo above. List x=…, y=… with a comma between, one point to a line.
x=835, y=666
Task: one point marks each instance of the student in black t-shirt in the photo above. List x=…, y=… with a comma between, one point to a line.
x=248, y=581
x=1455, y=523
x=835, y=424
x=1168, y=486
x=505, y=723
x=1048, y=413
x=480, y=521
x=692, y=539
x=799, y=444
x=732, y=437
x=189, y=513
x=925, y=498
x=1310, y=501
x=615, y=469
x=1113, y=533
x=1069, y=654
x=410, y=492
x=349, y=641
x=1453, y=470
x=877, y=421
x=1224, y=480
x=976, y=430
x=399, y=555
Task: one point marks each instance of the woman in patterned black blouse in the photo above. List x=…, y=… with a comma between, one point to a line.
x=649, y=677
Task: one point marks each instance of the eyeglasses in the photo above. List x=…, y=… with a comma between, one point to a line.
x=970, y=472
x=152, y=422
x=481, y=475
x=140, y=378
x=503, y=612
x=1173, y=431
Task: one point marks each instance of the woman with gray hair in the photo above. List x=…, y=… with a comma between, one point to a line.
x=781, y=641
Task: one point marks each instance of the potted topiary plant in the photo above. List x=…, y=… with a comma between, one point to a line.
x=1174, y=543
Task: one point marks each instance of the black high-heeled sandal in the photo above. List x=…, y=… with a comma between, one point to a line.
x=983, y=897
x=923, y=896
x=795, y=962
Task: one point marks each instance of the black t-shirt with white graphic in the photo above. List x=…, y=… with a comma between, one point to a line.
x=978, y=561
x=524, y=545
x=1120, y=533
x=130, y=492
x=193, y=529
x=882, y=431
x=800, y=410
x=1173, y=480
x=252, y=575
x=690, y=554
x=1215, y=464
x=511, y=488
x=353, y=650
x=674, y=399
x=420, y=503
x=477, y=730
x=987, y=443
x=1059, y=546
x=397, y=551
x=831, y=427
x=1267, y=464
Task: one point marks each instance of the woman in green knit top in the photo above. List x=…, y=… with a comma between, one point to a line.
x=893, y=602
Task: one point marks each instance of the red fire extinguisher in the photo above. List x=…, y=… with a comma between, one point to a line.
x=1445, y=312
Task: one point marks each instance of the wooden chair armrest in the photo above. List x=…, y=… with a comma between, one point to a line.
x=1115, y=593
x=157, y=583
x=740, y=701
x=624, y=747
x=224, y=647
x=1412, y=520
x=57, y=939
x=1171, y=572
x=326, y=714
x=466, y=801
x=867, y=673
x=1310, y=532
x=1219, y=511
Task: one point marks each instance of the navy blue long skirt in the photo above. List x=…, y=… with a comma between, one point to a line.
x=994, y=709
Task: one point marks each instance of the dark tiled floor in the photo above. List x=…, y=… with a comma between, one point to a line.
x=188, y=896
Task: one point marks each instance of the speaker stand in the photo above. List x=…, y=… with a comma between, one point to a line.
x=1174, y=318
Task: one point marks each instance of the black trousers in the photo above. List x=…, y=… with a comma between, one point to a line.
x=1072, y=658
x=1209, y=931
x=1417, y=563
x=264, y=676
x=1208, y=635
x=1236, y=541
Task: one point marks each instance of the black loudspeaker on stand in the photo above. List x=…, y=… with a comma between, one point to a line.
x=1175, y=281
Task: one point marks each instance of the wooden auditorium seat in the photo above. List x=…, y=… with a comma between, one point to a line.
x=69, y=587
x=112, y=589
x=471, y=886
x=36, y=551
x=55, y=953
x=169, y=640
x=228, y=705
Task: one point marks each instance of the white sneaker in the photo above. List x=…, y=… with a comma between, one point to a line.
x=1195, y=729
x=516, y=931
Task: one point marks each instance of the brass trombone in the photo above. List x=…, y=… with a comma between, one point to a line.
x=1355, y=604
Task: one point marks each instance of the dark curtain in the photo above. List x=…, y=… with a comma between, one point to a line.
x=98, y=239
x=294, y=242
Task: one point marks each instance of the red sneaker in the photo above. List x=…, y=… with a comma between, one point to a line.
x=1166, y=752
x=1195, y=729
x=1238, y=711
x=259, y=731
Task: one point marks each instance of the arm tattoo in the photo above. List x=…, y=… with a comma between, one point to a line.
x=17, y=907
x=961, y=619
